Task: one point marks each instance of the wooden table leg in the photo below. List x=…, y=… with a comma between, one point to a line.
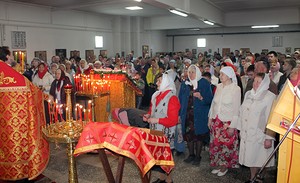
x=106, y=166
x=121, y=163
x=146, y=178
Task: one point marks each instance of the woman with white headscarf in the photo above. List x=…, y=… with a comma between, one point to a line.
x=223, y=115
x=255, y=144
x=163, y=113
x=195, y=98
x=83, y=68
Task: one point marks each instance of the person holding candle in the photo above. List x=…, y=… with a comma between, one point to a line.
x=57, y=90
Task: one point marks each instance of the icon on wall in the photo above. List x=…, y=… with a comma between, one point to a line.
x=42, y=55
x=62, y=53
x=225, y=51
x=145, y=50
x=89, y=56
x=75, y=53
x=103, y=53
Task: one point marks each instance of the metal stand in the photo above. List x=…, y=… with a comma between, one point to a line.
x=258, y=174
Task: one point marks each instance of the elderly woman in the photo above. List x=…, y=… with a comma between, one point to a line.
x=195, y=98
x=83, y=68
x=57, y=90
x=163, y=114
x=256, y=145
x=97, y=65
x=223, y=114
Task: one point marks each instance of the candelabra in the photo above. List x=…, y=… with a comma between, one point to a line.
x=68, y=132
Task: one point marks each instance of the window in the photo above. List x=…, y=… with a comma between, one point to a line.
x=201, y=42
x=99, y=41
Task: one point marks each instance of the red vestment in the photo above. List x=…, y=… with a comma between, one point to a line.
x=24, y=153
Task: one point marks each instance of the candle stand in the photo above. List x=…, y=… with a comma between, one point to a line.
x=67, y=132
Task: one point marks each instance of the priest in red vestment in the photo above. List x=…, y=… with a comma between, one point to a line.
x=24, y=153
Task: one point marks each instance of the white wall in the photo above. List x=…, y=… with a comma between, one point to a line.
x=256, y=42
x=47, y=30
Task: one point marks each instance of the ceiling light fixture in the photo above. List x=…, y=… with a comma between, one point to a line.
x=138, y=0
x=178, y=13
x=134, y=8
x=263, y=26
x=208, y=22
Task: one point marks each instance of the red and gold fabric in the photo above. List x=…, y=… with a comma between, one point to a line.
x=138, y=144
x=24, y=153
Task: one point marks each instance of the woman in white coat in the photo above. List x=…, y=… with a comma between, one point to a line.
x=255, y=144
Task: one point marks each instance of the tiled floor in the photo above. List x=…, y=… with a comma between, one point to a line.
x=90, y=170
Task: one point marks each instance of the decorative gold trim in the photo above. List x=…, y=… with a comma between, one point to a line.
x=6, y=80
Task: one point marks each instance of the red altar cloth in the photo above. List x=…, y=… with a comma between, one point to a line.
x=24, y=153
x=138, y=144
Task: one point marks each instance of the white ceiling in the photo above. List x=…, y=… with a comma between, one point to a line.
x=159, y=8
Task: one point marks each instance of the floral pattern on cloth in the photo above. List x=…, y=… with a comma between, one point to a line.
x=223, y=148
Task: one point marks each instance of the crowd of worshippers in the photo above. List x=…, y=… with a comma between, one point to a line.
x=223, y=103
x=278, y=66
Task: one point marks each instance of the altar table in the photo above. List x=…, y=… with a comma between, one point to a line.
x=138, y=144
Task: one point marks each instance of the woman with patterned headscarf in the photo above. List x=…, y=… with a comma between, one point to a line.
x=195, y=98
x=223, y=114
x=163, y=114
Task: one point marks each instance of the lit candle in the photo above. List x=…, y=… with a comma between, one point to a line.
x=49, y=110
x=84, y=115
x=56, y=113
x=67, y=113
x=90, y=109
x=90, y=115
x=56, y=109
x=76, y=111
x=60, y=112
x=80, y=112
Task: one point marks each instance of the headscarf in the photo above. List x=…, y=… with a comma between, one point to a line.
x=264, y=85
x=187, y=60
x=42, y=74
x=166, y=84
x=194, y=82
x=58, y=81
x=230, y=65
x=230, y=73
x=86, y=66
x=172, y=73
